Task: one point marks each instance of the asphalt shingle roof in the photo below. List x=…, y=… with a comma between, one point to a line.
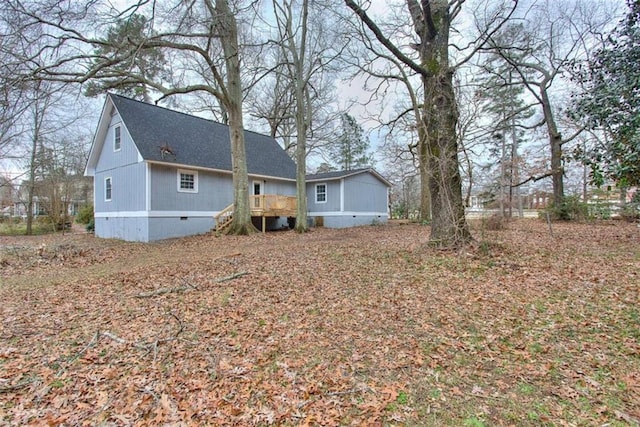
x=196, y=141
x=328, y=176
x=336, y=174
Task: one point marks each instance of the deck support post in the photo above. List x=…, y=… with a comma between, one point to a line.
x=264, y=224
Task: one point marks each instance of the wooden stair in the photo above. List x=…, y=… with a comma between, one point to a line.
x=224, y=219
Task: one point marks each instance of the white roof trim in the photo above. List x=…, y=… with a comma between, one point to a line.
x=101, y=134
x=353, y=173
x=228, y=172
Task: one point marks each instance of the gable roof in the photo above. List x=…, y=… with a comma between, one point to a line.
x=195, y=141
x=335, y=175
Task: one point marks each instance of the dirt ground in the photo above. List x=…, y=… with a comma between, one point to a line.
x=362, y=326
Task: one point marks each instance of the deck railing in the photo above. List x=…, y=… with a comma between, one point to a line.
x=273, y=204
x=224, y=218
x=263, y=205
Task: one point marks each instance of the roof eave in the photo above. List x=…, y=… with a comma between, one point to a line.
x=349, y=174
x=99, y=138
x=224, y=171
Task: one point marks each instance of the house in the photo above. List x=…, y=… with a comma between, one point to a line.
x=159, y=173
x=66, y=195
x=348, y=198
x=7, y=195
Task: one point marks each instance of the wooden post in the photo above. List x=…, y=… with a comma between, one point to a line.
x=264, y=223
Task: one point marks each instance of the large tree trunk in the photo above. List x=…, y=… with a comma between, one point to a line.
x=301, y=159
x=440, y=116
x=423, y=166
x=33, y=166
x=515, y=167
x=229, y=38
x=31, y=187
x=301, y=187
x=449, y=227
x=438, y=148
x=301, y=119
x=555, y=142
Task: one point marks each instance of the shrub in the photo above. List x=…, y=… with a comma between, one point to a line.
x=494, y=223
x=85, y=215
x=91, y=226
x=571, y=209
x=631, y=211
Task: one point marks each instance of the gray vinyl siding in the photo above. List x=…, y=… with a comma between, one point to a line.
x=365, y=202
x=333, y=197
x=127, y=189
x=283, y=188
x=127, y=174
x=364, y=193
x=215, y=191
x=166, y=228
x=344, y=221
x=128, y=153
x=130, y=229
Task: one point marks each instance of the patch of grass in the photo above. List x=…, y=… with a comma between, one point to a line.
x=536, y=348
x=403, y=397
x=526, y=389
x=225, y=298
x=19, y=229
x=56, y=384
x=473, y=421
x=533, y=416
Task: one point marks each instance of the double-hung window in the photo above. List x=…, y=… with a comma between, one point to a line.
x=117, y=138
x=107, y=189
x=187, y=181
x=321, y=193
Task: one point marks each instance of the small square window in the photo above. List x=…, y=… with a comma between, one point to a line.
x=321, y=193
x=117, y=138
x=107, y=189
x=187, y=181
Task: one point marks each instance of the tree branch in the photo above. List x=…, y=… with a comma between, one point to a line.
x=385, y=41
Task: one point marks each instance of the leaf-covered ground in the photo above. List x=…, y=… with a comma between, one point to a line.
x=364, y=326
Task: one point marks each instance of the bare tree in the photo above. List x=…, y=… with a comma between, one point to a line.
x=425, y=53
x=539, y=51
x=45, y=128
x=60, y=160
x=298, y=89
x=12, y=102
x=200, y=39
x=402, y=171
x=298, y=72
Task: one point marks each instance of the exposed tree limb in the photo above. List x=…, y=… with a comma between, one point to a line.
x=187, y=287
x=384, y=40
x=14, y=387
x=163, y=291
x=231, y=277
x=534, y=178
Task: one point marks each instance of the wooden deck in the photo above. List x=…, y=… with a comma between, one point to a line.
x=273, y=205
x=263, y=205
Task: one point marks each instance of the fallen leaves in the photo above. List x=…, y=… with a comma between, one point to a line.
x=365, y=326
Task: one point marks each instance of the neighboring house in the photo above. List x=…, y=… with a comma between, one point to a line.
x=7, y=194
x=159, y=174
x=72, y=193
x=348, y=198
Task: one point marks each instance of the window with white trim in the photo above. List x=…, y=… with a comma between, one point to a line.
x=187, y=181
x=321, y=193
x=117, y=138
x=107, y=189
